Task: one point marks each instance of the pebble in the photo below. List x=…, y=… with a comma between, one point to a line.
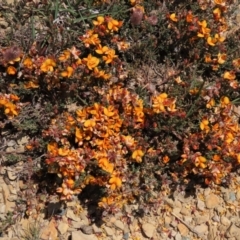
x=178, y=236
x=225, y=221
x=233, y=231
x=185, y=211
x=70, y=214
x=78, y=235
x=87, y=229
x=148, y=229
x=212, y=201
x=183, y=229
x=108, y=231
x=96, y=229
x=200, y=205
x=62, y=227
x=201, y=229
x=119, y=224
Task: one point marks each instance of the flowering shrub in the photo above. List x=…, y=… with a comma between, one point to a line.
x=130, y=126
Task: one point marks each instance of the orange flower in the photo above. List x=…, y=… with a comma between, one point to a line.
x=173, y=17
x=208, y=58
x=68, y=73
x=137, y=155
x=63, y=152
x=229, y=138
x=166, y=159
x=52, y=148
x=220, y=2
x=48, y=65
x=229, y=75
x=89, y=124
x=158, y=103
x=100, y=20
x=110, y=56
x=217, y=13
x=115, y=182
x=216, y=158
x=113, y=24
x=105, y=165
x=211, y=41
x=129, y=140
x=210, y=103
x=28, y=63
x=222, y=58
x=78, y=135
x=200, y=161
x=91, y=61
x=31, y=84
x=236, y=62
x=224, y=101
x=101, y=50
x=11, y=70
x=10, y=110
x=100, y=74
x=189, y=17
x=204, y=31
x=204, y=125
x=64, y=56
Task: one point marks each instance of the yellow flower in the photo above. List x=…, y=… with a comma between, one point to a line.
x=10, y=109
x=137, y=155
x=105, y=165
x=68, y=73
x=101, y=50
x=100, y=20
x=204, y=31
x=201, y=162
x=115, y=182
x=110, y=56
x=11, y=70
x=113, y=24
x=236, y=62
x=31, y=84
x=52, y=148
x=217, y=13
x=63, y=152
x=222, y=58
x=64, y=56
x=78, y=135
x=129, y=140
x=28, y=63
x=224, y=101
x=204, y=125
x=229, y=138
x=158, y=103
x=89, y=124
x=208, y=58
x=229, y=75
x=210, y=103
x=48, y=65
x=91, y=61
x=100, y=74
x=173, y=17
x=211, y=41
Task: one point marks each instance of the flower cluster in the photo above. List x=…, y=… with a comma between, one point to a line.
x=10, y=104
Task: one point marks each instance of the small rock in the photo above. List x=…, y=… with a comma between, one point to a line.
x=119, y=224
x=238, y=195
x=78, y=235
x=49, y=232
x=11, y=175
x=233, y=231
x=187, y=219
x=207, y=191
x=225, y=221
x=148, y=229
x=201, y=229
x=87, y=229
x=62, y=227
x=216, y=218
x=96, y=229
x=200, y=205
x=199, y=219
x=167, y=220
x=178, y=236
x=212, y=201
x=108, y=231
x=182, y=229
x=176, y=211
x=70, y=214
x=178, y=204
x=169, y=202
x=185, y=211
x=11, y=143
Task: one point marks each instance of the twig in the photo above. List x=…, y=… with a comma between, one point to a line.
x=189, y=227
